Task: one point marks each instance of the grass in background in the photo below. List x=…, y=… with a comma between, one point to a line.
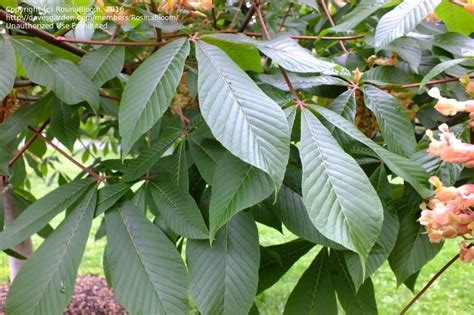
x=451, y=294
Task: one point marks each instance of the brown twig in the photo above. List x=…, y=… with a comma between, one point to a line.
x=283, y=20
x=60, y=39
x=27, y=98
x=236, y=15
x=110, y=97
x=247, y=19
x=67, y=156
x=266, y=35
x=339, y=38
x=32, y=30
x=23, y=83
x=331, y=21
x=300, y=37
x=413, y=85
x=430, y=283
x=28, y=144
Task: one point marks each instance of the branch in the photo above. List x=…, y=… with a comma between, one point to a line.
x=287, y=13
x=247, y=19
x=61, y=39
x=67, y=156
x=28, y=144
x=429, y=283
x=32, y=30
x=432, y=82
x=267, y=36
x=331, y=21
x=300, y=37
x=236, y=15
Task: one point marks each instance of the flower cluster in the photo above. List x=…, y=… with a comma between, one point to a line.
x=450, y=106
x=449, y=148
x=448, y=214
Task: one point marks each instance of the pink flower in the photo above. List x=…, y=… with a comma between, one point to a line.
x=450, y=106
x=448, y=214
x=467, y=253
x=449, y=148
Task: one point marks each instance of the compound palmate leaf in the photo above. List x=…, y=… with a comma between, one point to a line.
x=46, y=282
x=146, y=270
x=149, y=91
x=61, y=75
x=224, y=277
x=340, y=200
x=245, y=120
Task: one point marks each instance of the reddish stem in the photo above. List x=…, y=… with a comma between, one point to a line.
x=67, y=156
x=28, y=144
x=108, y=43
x=331, y=21
x=300, y=37
x=430, y=283
x=32, y=30
x=267, y=36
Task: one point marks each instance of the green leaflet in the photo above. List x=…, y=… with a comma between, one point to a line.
x=150, y=90
x=137, y=167
x=235, y=187
x=17, y=123
x=178, y=209
x=354, y=302
x=401, y=20
x=361, y=12
x=206, y=154
x=145, y=269
x=103, y=64
x=291, y=56
x=290, y=207
x=46, y=282
x=245, y=55
x=65, y=123
x=455, y=17
x=109, y=195
x=8, y=66
x=397, y=130
x=341, y=202
x=300, y=82
x=412, y=249
x=403, y=167
x=61, y=75
x=456, y=44
x=224, y=277
x=386, y=240
x=314, y=293
x=38, y=214
x=242, y=118
x=440, y=68
x=276, y=260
